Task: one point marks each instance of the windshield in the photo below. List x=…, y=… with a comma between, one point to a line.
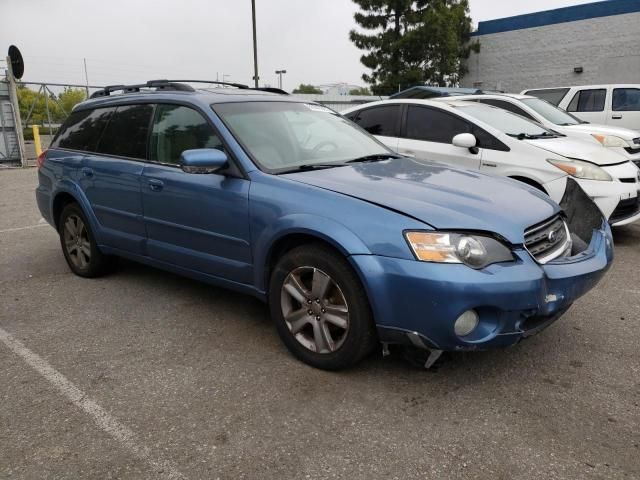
x=551, y=113
x=507, y=122
x=281, y=136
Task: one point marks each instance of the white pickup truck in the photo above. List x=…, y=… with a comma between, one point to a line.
x=615, y=105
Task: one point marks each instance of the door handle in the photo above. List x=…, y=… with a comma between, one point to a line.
x=155, y=185
x=617, y=116
x=87, y=172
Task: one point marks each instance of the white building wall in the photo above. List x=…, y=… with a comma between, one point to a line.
x=607, y=48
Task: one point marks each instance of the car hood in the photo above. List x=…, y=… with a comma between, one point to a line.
x=578, y=149
x=594, y=128
x=439, y=196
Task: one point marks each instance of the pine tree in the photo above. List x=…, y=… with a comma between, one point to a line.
x=413, y=42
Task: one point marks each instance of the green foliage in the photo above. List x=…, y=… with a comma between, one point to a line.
x=413, y=42
x=360, y=91
x=307, y=89
x=36, y=102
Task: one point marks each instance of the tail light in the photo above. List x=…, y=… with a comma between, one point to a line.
x=41, y=158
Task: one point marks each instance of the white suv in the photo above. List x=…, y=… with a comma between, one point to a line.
x=624, y=141
x=480, y=137
x=616, y=105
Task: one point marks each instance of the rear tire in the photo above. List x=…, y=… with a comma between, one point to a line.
x=321, y=309
x=79, y=246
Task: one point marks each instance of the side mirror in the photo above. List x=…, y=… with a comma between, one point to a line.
x=203, y=160
x=466, y=140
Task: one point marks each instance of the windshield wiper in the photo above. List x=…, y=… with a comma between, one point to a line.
x=312, y=166
x=378, y=157
x=528, y=136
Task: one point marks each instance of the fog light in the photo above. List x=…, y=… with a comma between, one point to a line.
x=466, y=323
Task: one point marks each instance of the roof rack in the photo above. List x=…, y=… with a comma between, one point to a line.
x=176, y=85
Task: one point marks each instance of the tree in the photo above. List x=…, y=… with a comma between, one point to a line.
x=307, y=89
x=69, y=98
x=413, y=42
x=36, y=103
x=360, y=91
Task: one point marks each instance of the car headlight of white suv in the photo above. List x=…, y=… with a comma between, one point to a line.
x=581, y=169
x=611, y=141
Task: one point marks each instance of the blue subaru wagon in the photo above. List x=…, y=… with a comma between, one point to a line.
x=350, y=244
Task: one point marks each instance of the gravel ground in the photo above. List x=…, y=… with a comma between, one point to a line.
x=144, y=374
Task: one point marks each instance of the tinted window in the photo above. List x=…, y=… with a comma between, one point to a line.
x=434, y=125
x=626, y=100
x=588, y=101
x=82, y=130
x=380, y=120
x=509, y=107
x=126, y=132
x=552, y=95
x=176, y=129
x=488, y=141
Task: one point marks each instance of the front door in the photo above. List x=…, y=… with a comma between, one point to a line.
x=196, y=221
x=428, y=135
x=625, y=108
x=589, y=104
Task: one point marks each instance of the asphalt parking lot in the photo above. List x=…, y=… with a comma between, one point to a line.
x=144, y=374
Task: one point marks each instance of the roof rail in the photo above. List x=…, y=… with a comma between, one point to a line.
x=176, y=85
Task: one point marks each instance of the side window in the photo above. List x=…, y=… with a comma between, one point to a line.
x=82, y=130
x=382, y=120
x=177, y=128
x=126, y=132
x=352, y=116
x=508, y=106
x=434, y=125
x=488, y=141
x=588, y=101
x=552, y=95
x=626, y=100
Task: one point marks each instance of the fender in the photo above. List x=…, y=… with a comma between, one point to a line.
x=332, y=232
x=71, y=188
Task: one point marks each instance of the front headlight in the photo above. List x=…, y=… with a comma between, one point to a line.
x=580, y=169
x=611, y=141
x=475, y=251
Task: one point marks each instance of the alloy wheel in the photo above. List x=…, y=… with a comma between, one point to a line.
x=314, y=309
x=76, y=241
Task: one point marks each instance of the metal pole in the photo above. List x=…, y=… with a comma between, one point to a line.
x=255, y=45
x=86, y=77
x=13, y=96
x=46, y=106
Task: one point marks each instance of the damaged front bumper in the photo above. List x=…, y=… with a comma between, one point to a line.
x=417, y=303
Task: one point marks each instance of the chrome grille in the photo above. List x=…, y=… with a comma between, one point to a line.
x=548, y=240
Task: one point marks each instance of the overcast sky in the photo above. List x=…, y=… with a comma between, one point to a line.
x=135, y=40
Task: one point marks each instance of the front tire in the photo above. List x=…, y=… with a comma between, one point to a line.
x=320, y=308
x=78, y=244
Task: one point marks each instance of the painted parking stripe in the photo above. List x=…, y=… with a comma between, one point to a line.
x=100, y=416
x=29, y=227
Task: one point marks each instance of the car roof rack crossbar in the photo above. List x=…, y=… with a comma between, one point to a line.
x=176, y=85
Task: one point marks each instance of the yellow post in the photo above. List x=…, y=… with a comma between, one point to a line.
x=36, y=139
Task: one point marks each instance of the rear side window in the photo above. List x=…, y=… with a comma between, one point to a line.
x=508, y=106
x=588, y=101
x=126, y=132
x=434, y=125
x=383, y=121
x=82, y=130
x=177, y=128
x=626, y=100
x=552, y=95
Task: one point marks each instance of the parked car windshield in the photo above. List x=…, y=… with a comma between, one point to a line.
x=507, y=122
x=551, y=113
x=281, y=136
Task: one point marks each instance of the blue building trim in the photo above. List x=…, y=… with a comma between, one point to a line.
x=587, y=11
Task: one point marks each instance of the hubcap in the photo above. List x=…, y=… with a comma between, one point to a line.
x=314, y=309
x=76, y=241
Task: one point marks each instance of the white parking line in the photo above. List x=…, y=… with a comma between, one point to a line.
x=17, y=229
x=106, y=422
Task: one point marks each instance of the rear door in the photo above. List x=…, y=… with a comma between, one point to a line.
x=428, y=133
x=625, y=107
x=196, y=221
x=590, y=105
x=382, y=121
x=110, y=173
